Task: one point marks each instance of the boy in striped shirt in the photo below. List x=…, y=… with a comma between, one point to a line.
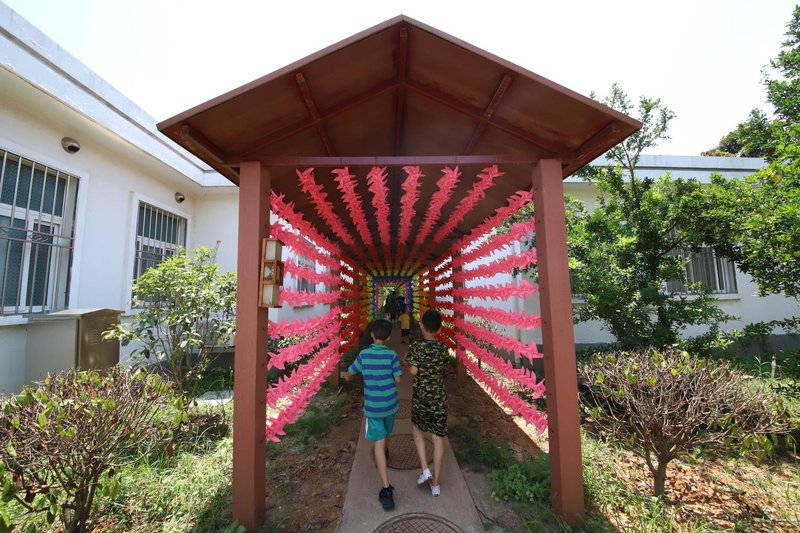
x=380, y=368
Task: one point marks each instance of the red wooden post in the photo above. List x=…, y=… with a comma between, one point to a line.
x=250, y=360
x=566, y=473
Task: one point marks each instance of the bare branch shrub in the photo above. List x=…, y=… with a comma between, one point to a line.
x=667, y=403
x=63, y=438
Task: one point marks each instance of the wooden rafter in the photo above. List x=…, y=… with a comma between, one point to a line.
x=402, y=73
x=551, y=148
x=499, y=93
x=598, y=140
x=319, y=123
x=294, y=129
x=399, y=126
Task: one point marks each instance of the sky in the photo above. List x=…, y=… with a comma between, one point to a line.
x=702, y=58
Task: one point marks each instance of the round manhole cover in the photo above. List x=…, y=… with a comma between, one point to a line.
x=403, y=453
x=418, y=523
x=405, y=409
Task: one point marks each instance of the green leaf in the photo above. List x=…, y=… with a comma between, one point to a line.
x=113, y=487
x=11, y=450
x=600, y=377
x=41, y=421
x=5, y=521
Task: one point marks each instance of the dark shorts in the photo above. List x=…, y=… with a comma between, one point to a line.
x=430, y=417
x=404, y=332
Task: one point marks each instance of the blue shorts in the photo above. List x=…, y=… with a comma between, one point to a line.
x=379, y=428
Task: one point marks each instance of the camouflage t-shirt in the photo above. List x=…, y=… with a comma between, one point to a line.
x=429, y=401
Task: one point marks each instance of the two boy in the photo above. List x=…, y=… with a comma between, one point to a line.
x=381, y=369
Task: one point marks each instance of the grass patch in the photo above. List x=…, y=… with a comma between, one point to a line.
x=322, y=414
x=474, y=451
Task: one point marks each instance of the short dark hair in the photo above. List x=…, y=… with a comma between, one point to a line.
x=432, y=320
x=381, y=328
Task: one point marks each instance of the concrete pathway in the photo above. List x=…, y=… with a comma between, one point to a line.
x=362, y=513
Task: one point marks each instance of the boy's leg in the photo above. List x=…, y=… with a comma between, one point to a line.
x=419, y=443
x=438, y=455
x=380, y=461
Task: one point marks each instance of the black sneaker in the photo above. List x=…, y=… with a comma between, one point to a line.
x=386, y=498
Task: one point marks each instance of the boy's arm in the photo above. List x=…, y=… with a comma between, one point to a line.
x=396, y=370
x=353, y=369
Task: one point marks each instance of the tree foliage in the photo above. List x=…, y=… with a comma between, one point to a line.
x=665, y=404
x=756, y=222
x=186, y=310
x=64, y=438
x=755, y=137
x=624, y=251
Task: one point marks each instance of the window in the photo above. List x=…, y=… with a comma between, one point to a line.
x=716, y=273
x=302, y=283
x=37, y=216
x=159, y=234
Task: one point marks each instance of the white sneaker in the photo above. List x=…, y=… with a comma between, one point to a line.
x=436, y=490
x=424, y=476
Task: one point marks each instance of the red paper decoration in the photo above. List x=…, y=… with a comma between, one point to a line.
x=380, y=192
x=286, y=211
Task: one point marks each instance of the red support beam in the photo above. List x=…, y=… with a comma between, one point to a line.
x=402, y=70
x=560, y=372
x=250, y=358
x=416, y=160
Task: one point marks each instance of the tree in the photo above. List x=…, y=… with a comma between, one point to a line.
x=623, y=253
x=755, y=137
x=756, y=222
x=187, y=309
x=664, y=404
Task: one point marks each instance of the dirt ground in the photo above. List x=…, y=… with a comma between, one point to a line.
x=307, y=488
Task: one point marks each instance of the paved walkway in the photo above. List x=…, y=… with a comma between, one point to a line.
x=415, y=508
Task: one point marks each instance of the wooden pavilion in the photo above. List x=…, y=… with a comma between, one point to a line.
x=401, y=93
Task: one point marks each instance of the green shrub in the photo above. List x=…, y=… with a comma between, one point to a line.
x=665, y=403
x=65, y=438
x=527, y=482
x=187, y=309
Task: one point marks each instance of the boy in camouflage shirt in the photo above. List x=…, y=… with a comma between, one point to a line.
x=426, y=359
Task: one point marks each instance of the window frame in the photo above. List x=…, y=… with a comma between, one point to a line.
x=133, y=221
x=60, y=248
x=720, y=264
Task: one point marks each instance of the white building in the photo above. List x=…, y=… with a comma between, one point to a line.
x=77, y=226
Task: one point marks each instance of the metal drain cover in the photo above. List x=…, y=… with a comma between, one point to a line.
x=418, y=523
x=405, y=409
x=403, y=453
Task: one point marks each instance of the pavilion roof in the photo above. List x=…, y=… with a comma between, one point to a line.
x=399, y=90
